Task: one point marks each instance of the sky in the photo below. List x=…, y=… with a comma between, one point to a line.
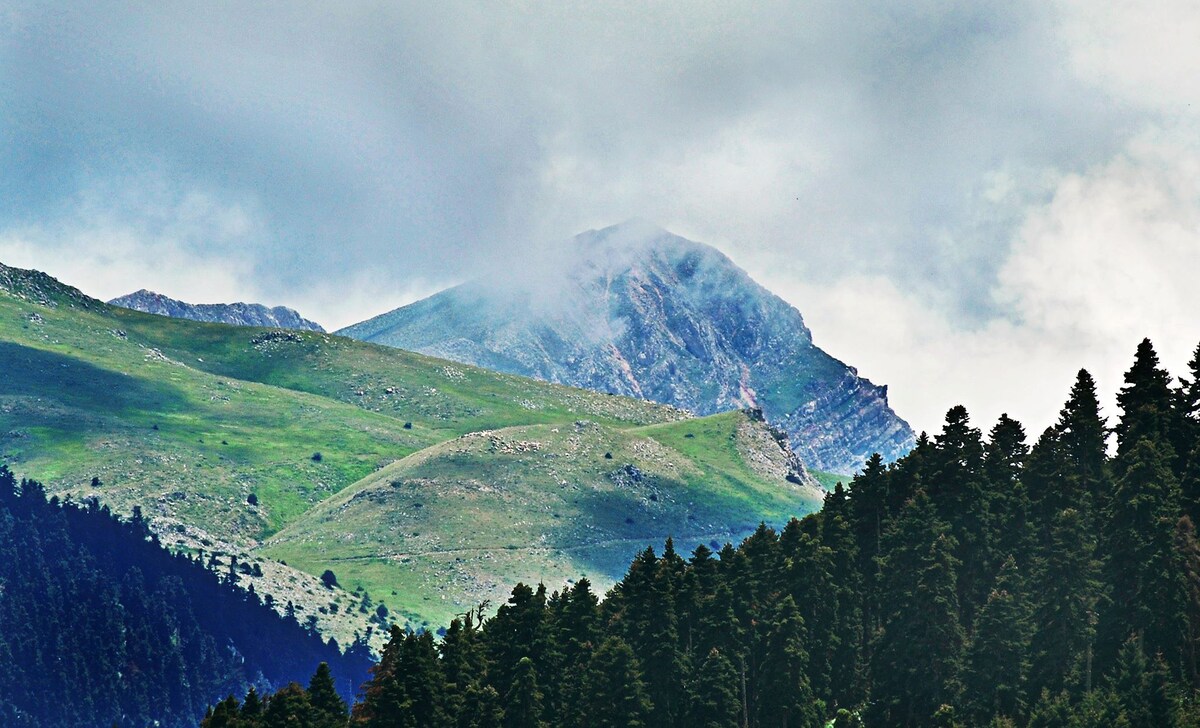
x=967, y=201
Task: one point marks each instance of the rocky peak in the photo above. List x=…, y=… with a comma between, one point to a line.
x=237, y=314
x=633, y=309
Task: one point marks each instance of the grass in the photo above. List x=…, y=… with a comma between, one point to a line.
x=438, y=484
x=461, y=522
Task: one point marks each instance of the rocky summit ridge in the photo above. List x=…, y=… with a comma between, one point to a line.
x=237, y=314
x=635, y=310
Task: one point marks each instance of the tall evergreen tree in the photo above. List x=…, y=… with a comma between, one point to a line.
x=614, y=689
x=1067, y=590
x=962, y=502
x=1187, y=439
x=918, y=655
x=1187, y=551
x=1147, y=406
x=784, y=694
x=328, y=707
x=289, y=708
x=523, y=703
x=1084, y=435
x=713, y=698
x=1149, y=596
x=870, y=510
x=998, y=660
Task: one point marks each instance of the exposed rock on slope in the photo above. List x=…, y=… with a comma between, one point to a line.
x=238, y=314
x=635, y=310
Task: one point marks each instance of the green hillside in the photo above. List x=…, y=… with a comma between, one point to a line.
x=462, y=521
x=288, y=443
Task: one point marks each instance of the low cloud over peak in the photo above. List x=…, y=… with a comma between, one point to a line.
x=1011, y=185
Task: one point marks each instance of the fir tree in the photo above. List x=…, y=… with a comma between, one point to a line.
x=1149, y=596
x=1187, y=551
x=1083, y=435
x=998, y=659
x=480, y=707
x=714, y=701
x=329, y=708
x=289, y=708
x=523, y=703
x=1147, y=405
x=615, y=692
x=962, y=502
x=785, y=696
x=918, y=655
x=1067, y=589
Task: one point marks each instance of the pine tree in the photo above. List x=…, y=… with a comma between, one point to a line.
x=713, y=697
x=846, y=669
x=252, y=707
x=870, y=510
x=480, y=707
x=1187, y=440
x=329, y=708
x=1187, y=551
x=1067, y=589
x=523, y=702
x=576, y=634
x=918, y=655
x=647, y=620
x=998, y=659
x=226, y=714
x=385, y=700
x=1142, y=689
x=517, y=631
x=1083, y=435
x=811, y=584
x=1101, y=709
x=615, y=692
x=958, y=493
x=1147, y=405
x=289, y=708
x=1149, y=597
x=785, y=696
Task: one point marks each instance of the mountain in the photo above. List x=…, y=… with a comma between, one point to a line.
x=638, y=311
x=237, y=314
x=423, y=484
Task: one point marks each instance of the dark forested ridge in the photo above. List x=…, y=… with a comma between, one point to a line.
x=977, y=582
x=101, y=626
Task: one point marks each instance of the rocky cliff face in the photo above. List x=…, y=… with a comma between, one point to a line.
x=635, y=310
x=238, y=314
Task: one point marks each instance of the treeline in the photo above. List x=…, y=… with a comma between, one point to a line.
x=977, y=582
x=100, y=625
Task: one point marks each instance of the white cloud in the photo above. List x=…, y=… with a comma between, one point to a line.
x=1113, y=257
x=142, y=232
x=1146, y=54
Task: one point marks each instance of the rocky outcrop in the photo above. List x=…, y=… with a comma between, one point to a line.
x=238, y=314
x=635, y=310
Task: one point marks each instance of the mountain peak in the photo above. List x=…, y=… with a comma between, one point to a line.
x=634, y=309
x=238, y=314
x=42, y=288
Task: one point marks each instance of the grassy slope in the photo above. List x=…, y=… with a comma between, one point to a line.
x=445, y=528
x=187, y=419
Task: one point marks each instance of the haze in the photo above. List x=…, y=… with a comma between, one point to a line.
x=968, y=201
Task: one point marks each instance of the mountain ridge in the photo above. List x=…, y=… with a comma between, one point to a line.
x=635, y=310
x=237, y=314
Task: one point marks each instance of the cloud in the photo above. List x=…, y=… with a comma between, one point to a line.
x=1111, y=258
x=112, y=240
x=968, y=201
x=430, y=141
